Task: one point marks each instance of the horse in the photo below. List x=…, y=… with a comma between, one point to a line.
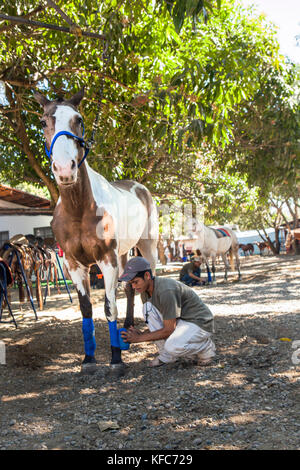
x=248, y=248
x=263, y=247
x=212, y=242
x=95, y=221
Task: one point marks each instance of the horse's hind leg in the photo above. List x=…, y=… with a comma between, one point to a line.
x=238, y=263
x=226, y=265
x=129, y=291
x=147, y=248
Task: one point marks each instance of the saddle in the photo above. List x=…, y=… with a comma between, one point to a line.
x=18, y=240
x=5, y=268
x=221, y=232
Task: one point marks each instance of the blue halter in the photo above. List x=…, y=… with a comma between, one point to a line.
x=80, y=140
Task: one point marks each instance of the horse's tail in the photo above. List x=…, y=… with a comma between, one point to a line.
x=231, y=258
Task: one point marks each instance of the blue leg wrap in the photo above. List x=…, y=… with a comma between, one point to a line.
x=88, y=331
x=208, y=274
x=113, y=332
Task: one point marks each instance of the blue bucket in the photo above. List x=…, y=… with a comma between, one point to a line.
x=123, y=345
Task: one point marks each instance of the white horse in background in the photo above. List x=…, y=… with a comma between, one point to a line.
x=213, y=242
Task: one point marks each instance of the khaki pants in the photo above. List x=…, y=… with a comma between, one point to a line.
x=188, y=339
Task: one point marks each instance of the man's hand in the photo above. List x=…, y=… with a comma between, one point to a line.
x=131, y=335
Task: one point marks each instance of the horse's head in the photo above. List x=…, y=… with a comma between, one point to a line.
x=192, y=226
x=198, y=227
x=63, y=130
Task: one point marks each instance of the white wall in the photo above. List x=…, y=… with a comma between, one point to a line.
x=23, y=224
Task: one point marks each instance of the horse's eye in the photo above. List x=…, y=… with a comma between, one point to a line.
x=43, y=123
x=80, y=121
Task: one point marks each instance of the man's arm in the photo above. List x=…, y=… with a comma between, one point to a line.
x=134, y=336
x=193, y=276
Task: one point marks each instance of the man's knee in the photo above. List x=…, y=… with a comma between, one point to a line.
x=174, y=347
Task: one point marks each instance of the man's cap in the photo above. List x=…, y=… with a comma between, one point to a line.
x=134, y=266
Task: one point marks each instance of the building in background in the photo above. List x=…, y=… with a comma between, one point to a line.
x=24, y=213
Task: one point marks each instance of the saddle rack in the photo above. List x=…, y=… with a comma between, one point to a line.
x=6, y=280
x=14, y=253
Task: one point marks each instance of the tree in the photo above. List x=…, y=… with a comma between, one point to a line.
x=266, y=136
x=170, y=89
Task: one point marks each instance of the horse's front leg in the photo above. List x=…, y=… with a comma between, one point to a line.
x=80, y=278
x=110, y=273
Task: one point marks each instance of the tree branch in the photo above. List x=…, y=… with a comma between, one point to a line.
x=28, y=15
x=10, y=141
x=39, y=24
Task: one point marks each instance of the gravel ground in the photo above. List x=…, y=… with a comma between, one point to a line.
x=247, y=399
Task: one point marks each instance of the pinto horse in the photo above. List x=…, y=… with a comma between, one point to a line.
x=213, y=242
x=263, y=247
x=95, y=221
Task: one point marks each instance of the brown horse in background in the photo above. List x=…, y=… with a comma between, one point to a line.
x=248, y=248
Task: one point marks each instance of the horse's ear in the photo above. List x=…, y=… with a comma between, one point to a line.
x=41, y=99
x=75, y=100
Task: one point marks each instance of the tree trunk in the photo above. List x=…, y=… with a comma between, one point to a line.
x=19, y=129
x=37, y=168
x=169, y=241
x=161, y=251
x=296, y=247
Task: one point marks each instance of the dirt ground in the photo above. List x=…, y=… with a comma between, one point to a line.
x=247, y=399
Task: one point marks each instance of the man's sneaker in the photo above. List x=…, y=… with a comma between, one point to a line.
x=205, y=362
x=156, y=363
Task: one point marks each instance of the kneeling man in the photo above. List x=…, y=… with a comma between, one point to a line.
x=179, y=322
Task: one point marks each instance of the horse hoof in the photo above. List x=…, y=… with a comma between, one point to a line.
x=117, y=370
x=89, y=365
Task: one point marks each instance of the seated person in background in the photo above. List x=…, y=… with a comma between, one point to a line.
x=190, y=273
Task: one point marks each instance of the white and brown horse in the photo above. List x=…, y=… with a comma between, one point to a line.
x=94, y=221
x=211, y=242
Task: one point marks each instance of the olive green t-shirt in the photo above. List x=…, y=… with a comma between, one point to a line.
x=173, y=299
x=188, y=268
